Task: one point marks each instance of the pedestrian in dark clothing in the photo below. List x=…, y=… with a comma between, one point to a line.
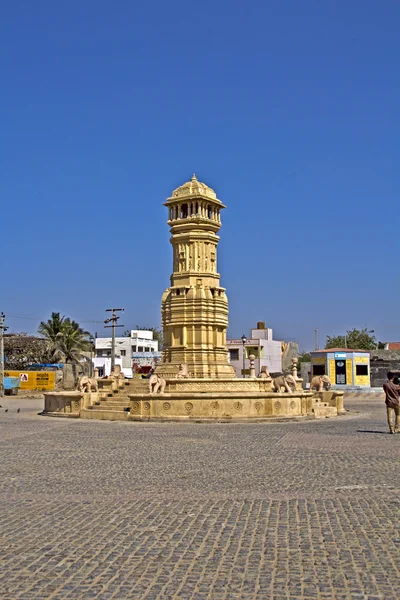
x=392, y=392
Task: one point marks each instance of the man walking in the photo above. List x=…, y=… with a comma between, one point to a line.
x=392, y=403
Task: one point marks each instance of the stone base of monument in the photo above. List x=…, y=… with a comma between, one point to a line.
x=63, y=404
x=331, y=400
x=216, y=400
x=68, y=404
x=196, y=399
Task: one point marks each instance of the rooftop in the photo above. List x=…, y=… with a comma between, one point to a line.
x=339, y=350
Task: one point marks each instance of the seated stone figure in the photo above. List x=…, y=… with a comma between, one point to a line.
x=264, y=373
x=156, y=384
x=287, y=382
x=320, y=383
x=116, y=373
x=183, y=371
x=87, y=384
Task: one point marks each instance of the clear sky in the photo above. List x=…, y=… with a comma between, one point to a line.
x=288, y=109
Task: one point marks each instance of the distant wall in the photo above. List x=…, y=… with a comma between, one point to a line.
x=305, y=373
x=72, y=372
x=381, y=362
x=292, y=351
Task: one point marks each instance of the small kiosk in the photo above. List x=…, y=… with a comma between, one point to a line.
x=343, y=366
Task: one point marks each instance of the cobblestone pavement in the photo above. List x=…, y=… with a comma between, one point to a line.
x=276, y=511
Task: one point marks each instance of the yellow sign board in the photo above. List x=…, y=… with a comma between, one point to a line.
x=34, y=380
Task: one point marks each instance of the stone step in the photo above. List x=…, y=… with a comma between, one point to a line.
x=116, y=399
x=104, y=415
x=108, y=407
x=112, y=401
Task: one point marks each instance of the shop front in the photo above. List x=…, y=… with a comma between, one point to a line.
x=343, y=366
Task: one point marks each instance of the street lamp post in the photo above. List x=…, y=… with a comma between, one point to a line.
x=244, y=340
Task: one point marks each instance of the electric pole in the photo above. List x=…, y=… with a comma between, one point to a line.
x=113, y=320
x=2, y=330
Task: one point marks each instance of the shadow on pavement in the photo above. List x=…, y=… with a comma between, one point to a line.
x=371, y=431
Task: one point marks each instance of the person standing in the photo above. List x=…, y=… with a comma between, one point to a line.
x=392, y=403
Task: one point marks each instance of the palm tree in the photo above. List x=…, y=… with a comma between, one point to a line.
x=66, y=339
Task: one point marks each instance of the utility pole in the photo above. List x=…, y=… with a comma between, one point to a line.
x=315, y=339
x=2, y=330
x=113, y=320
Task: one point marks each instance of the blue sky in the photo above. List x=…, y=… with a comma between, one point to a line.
x=288, y=109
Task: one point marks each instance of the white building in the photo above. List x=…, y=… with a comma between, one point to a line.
x=142, y=341
x=126, y=349
x=268, y=352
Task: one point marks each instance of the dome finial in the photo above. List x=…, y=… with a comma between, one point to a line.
x=194, y=187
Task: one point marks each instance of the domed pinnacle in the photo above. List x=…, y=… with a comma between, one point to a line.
x=194, y=178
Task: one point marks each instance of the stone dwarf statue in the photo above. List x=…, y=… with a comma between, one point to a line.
x=116, y=373
x=156, y=384
x=183, y=372
x=87, y=384
x=320, y=383
x=287, y=382
x=264, y=373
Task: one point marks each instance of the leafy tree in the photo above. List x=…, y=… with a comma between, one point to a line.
x=22, y=350
x=355, y=339
x=66, y=340
x=304, y=357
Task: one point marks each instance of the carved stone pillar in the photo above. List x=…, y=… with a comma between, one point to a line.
x=252, y=359
x=295, y=362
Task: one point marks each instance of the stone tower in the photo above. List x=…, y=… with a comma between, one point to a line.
x=195, y=308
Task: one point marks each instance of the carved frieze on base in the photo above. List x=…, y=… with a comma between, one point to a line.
x=209, y=405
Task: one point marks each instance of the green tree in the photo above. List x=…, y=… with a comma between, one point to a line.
x=66, y=340
x=355, y=339
x=304, y=357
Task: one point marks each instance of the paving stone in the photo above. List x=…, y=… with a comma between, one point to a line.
x=293, y=511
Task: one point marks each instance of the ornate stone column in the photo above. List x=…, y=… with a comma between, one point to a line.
x=195, y=307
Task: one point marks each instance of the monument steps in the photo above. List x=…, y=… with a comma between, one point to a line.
x=114, y=406
x=108, y=406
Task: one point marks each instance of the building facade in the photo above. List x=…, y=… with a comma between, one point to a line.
x=140, y=348
x=267, y=351
x=343, y=366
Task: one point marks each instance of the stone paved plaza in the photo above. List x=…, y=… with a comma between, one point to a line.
x=264, y=510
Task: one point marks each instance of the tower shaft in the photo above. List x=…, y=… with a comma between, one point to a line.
x=195, y=307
